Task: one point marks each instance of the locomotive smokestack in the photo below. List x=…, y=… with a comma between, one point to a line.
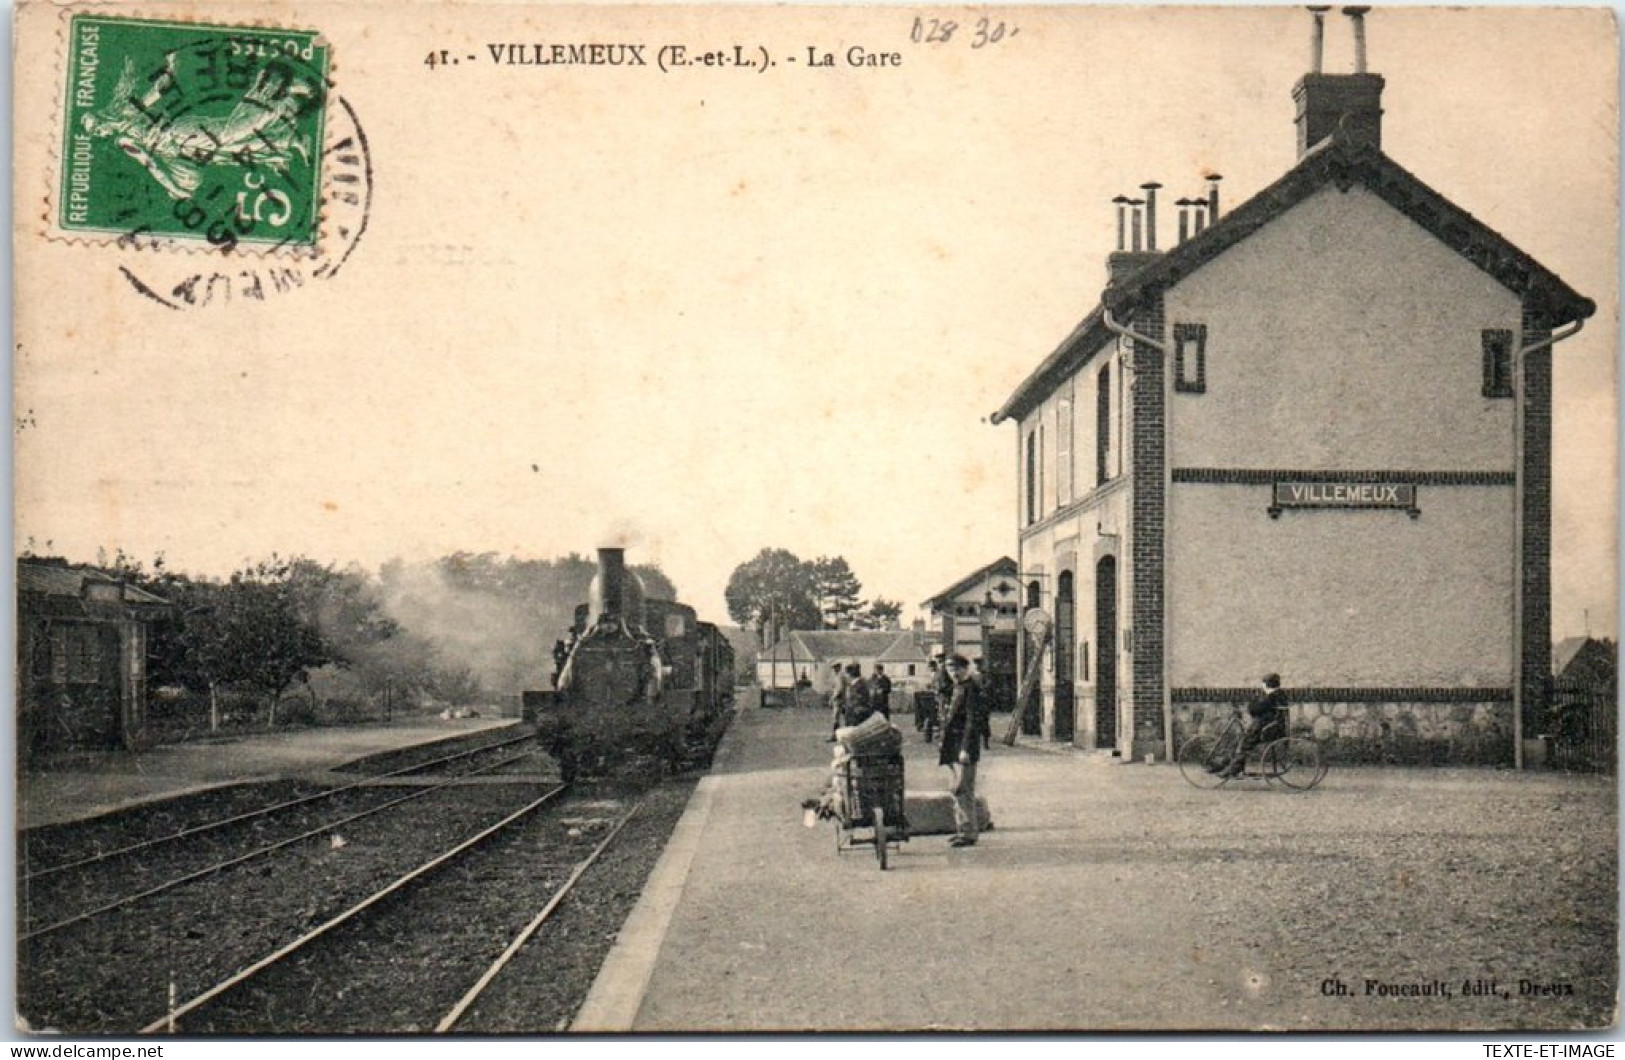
x=616, y=591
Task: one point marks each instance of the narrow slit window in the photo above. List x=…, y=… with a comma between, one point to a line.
x=1190, y=358
x=1497, y=344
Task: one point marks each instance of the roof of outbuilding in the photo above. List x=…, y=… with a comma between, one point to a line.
x=1332, y=162
x=1003, y=565
x=846, y=645
x=57, y=578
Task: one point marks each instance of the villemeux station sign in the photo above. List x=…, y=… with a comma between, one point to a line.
x=1401, y=495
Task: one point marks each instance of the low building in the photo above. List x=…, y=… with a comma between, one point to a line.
x=81, y=657
x=813, y=655
x=1585, y=663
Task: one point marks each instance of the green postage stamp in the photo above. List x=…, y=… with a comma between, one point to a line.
x=191, y=131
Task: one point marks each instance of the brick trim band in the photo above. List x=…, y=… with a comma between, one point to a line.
x=1241, y=476
x=1347, y=695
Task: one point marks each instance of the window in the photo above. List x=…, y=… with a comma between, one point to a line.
x=1032, y=476
x=1190, y=358
x=1497, y=344
x=84, y=655
x=1063, y=452
x=911, y=669
x=1042, y=453
x=1103, y=423
x=40, y=654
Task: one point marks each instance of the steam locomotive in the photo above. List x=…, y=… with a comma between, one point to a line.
x=640, y=683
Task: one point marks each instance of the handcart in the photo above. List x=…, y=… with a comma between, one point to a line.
x=871, y=789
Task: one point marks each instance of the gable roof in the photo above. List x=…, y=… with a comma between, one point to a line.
x=57, y=578
x=905, y=649
x=845, y=645
x=1565, y=651
x=1003, y=565
x=1332, y=162
x=1584, y=661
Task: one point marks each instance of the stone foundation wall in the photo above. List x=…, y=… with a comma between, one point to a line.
x=1458, y=732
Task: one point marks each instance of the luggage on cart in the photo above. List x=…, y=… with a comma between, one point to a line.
x=869, y=784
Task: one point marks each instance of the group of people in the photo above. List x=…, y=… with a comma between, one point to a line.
x=854, y=697
x=960, y=711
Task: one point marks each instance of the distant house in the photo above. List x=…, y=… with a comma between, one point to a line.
x=81, y=656
x=813, y=655
x=1585, y=664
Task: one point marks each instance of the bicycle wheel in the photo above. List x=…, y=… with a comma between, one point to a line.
x=880, y=836
x=1200, y=761
x=1295, y=762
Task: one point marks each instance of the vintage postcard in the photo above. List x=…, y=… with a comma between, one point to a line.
x=497, y=485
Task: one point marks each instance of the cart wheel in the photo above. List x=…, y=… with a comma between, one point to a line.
x=880, y=836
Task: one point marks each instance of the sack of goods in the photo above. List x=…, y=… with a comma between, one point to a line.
x=874, y=735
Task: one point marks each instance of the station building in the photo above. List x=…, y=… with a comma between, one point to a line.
x=1313, y=437
x=81, y=657
x=976, y=617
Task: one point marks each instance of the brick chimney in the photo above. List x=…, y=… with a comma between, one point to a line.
x=1345, y=106
x=1136, y=233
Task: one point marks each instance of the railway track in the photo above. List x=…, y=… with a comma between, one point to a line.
x=408, y=957
x=80, y=891
x=107, y=972
x=57, y=849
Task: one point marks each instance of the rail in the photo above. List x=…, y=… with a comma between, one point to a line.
x=171, y=1020
x=258, y=852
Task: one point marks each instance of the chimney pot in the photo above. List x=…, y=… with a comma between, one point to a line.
x=1317, y=42
x=1358, y=15
x=1150, y=188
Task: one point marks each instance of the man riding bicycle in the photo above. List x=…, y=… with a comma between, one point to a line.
x=1267, y=722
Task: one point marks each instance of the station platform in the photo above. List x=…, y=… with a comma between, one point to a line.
x=63, y=788
x=1111, y=896
x=753, y=922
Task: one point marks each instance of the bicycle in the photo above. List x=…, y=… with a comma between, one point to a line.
x=1294, y=761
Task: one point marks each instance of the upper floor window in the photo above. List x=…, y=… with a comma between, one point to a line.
x=1032, y=476
x=1063, y=452
x=1190, y=358
x=1103, y=423
x=1497, y=344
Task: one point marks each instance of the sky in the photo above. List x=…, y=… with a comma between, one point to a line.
x=705, y=312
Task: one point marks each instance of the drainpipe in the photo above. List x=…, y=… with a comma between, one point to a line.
x=1517, y=471
x=1128, y=333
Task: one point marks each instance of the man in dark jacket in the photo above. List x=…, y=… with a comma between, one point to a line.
x=1267, y=722
x=942, y=687
x=880, y=690
x=962, y=748
x=859, y=703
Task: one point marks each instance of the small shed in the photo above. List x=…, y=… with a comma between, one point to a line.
x=81, y=656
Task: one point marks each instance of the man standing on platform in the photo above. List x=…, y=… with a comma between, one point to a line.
x=837, y=700
x=962, y=748
x=880, y=690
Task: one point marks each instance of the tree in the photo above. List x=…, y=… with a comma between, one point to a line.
x=879, y=614
x=775, y=588
x=836, y=589
x=261, y=636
